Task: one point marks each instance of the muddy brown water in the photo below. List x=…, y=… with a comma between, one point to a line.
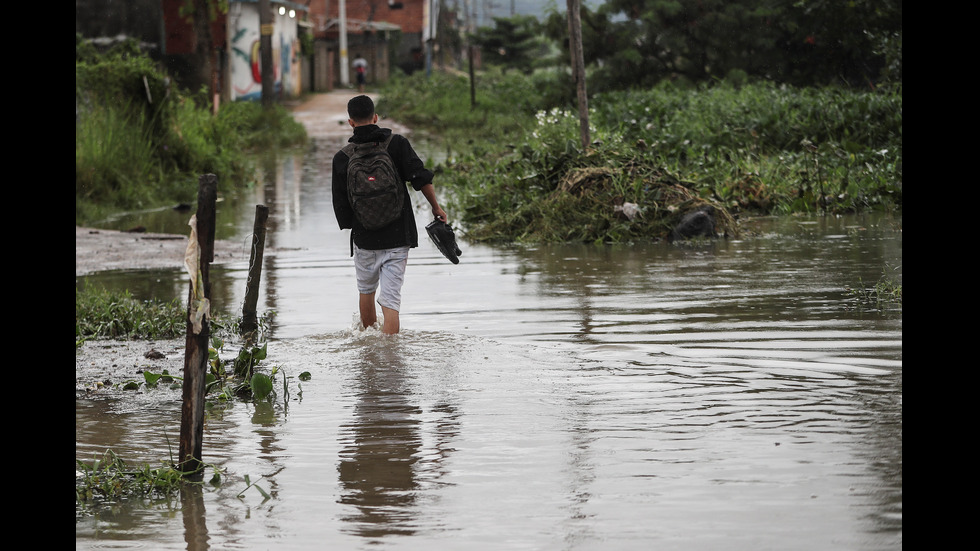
x=730, y=395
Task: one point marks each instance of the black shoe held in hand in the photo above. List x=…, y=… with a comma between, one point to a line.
x=444, y=237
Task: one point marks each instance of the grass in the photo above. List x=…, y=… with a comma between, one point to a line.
x=441, y=105
x=120, y=166
x=105, y=314
x=139, y=143
x=117, y=315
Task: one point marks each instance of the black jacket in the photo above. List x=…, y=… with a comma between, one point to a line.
x=411, y=169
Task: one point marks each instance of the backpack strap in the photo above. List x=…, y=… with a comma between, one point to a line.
x=348, y=149
x=351, y=145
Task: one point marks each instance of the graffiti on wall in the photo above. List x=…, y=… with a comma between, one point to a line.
x=246, y=59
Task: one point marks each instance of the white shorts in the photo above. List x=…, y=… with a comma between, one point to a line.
x=384, y=269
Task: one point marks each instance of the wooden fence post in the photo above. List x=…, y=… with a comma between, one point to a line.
x=250, y=321
x=198, y=326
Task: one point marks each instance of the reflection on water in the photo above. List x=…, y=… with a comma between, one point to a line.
x=385, y=463
x=731, y=395
x=381, y=446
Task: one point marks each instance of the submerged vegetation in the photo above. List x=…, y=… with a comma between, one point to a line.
x=109, y=478
x=517, y=170
x=886, y=292
x=142, y=142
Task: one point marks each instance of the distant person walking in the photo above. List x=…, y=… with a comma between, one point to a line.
x=360, y=69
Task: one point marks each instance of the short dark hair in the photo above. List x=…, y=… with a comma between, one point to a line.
x=360, y=108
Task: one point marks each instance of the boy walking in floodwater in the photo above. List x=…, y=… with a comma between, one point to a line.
x=381, y=255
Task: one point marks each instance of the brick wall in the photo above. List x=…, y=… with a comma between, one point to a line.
x=409, y=18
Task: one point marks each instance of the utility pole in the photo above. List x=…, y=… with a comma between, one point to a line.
x=266, y=28
x=433, y=9
x=344, y=69
x=578, y=67
x=205, y=50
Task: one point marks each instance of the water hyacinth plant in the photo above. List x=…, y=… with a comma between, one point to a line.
x=755, y=148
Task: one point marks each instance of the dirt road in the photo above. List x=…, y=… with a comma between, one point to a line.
x=325, y=115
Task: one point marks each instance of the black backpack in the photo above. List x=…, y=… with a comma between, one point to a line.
x=374, y=189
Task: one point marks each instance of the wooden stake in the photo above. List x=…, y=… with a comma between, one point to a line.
x=250, y=321
x=196, y=353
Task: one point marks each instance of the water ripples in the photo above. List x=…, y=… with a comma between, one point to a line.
x=730, y=396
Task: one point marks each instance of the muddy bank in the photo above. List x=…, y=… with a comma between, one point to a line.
x=103, y=366
x=98, y=250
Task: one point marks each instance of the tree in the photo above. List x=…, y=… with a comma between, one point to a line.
x=511, y=43
x=801, y=42
x=698, y=39
x=857, y=43
x=202, y=13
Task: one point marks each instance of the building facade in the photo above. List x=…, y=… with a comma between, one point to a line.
x=305, y=39
x=244, y=54
x=387, y=33
x=236, y=37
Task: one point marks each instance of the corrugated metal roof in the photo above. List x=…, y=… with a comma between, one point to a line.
x=358, y=25
x=294, y=5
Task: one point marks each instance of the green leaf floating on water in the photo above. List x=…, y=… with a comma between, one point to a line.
x=261, y=386
x=151, y=378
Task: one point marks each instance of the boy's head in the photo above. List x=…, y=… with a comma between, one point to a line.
x=360, y=109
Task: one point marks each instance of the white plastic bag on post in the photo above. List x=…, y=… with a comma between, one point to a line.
x=199, y=305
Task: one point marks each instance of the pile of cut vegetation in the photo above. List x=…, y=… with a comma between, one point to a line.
x=594, y=204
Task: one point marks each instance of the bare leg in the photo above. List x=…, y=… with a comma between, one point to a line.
x=391, y=325
x=369, y=316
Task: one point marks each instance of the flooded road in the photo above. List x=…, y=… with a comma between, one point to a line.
x=728, y=396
